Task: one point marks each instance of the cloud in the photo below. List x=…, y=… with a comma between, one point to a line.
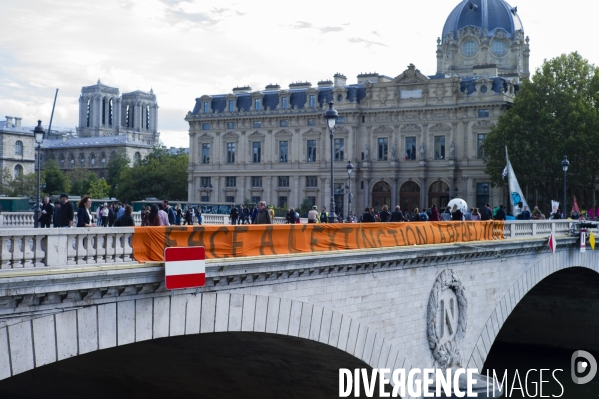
x=368, y=43
x=330, y=29
x=302, y=25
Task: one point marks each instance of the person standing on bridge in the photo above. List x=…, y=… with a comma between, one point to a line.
x=263, y=216
x=66, y=212
x=47, y=213
x=397, y=215
x=84, y=218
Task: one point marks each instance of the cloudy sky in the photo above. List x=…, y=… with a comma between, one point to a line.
x=186, y=48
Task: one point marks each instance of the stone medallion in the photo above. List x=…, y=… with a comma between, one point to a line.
x=446, y=319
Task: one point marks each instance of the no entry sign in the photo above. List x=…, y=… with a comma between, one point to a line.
x=184, y=267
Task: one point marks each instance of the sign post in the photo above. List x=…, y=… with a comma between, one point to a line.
x=184, y=267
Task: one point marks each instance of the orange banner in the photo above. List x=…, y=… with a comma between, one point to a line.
x=255, y=240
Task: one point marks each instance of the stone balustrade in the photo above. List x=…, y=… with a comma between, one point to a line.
x=26, y=219
x=64, y=247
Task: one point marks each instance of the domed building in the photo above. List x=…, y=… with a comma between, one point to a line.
x=413, y=140
x=483, y=33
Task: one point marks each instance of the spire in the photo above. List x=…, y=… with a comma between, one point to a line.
x=151, y=90
x=99, y=81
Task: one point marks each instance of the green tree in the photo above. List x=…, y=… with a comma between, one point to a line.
x=554, y=114
x=117, y=164
x=5, y=179
x=98, y=188
x=56, y=181
x=80, y=180
x=24, y=186
x=160, y=174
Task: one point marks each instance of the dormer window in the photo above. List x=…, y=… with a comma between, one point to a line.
x=231, y=105
x=257, y=104
x=206, y=107
x=312, y=101
x=284, y=103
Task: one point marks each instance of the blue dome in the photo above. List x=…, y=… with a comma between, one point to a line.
x=484, y=14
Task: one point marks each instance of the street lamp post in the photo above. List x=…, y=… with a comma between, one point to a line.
x=206, y=189
x=39, y=138
x=565, y=165
x=331, y=116
x=350, y=169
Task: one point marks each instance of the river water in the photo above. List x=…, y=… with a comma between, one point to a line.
x=511, y=358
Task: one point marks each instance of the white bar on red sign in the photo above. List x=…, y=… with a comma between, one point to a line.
x=184, y=267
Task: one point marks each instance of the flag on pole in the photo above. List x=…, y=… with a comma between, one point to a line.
x=592, y=240
x=504, y=174
x=516, y=194
x=552, y=243
x=575, y=206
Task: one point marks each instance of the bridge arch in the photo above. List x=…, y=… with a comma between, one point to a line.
x=529, y=279
x=49, y=339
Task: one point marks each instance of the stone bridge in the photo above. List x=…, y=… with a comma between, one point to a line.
x=402, y=307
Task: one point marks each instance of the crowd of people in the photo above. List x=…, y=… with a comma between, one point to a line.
x=117, y=214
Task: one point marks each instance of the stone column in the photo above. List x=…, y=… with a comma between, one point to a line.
x=423, y=192
x=268, y=191
x=394, y=190
x=116, y=117
x=366, y=194
x=216, y=190
x=295, y=194
x=138, y=115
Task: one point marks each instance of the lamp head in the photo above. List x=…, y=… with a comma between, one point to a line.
x=39, y=132
x=331, y=116
x=349, y=167
x=565, y=164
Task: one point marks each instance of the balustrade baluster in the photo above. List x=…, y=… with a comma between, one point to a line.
x=90, y=248
x=100, y=248
x=39, y=250
x=127, y=249
x=16, y=252
x=72, y=249
x=5, y=255
x=26, y=248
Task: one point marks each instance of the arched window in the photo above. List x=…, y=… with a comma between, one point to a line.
x=82, y=160
x=92, y=160
x=19, y=148
x=18, y=171
x=72, y=161
x=61, y=161
x=137, y=158
x=110, y=108
x=103, y=111
x=147, y=117
x=103, y=160
x=127, y=117
x=87, y=112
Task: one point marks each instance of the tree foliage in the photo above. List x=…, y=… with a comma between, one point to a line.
x=160, y=175
x=56, y=181
x=22, y=186
x=81, y=180
x=98, y=188
x=554, y=114
x=117, y=164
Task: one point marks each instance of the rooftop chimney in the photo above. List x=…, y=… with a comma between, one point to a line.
x=340, y=79
x=18, y=122
x=9, y=121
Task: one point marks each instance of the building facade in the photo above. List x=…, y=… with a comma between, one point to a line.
x=17, y=147
x=108, y=123
x=413, y=140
